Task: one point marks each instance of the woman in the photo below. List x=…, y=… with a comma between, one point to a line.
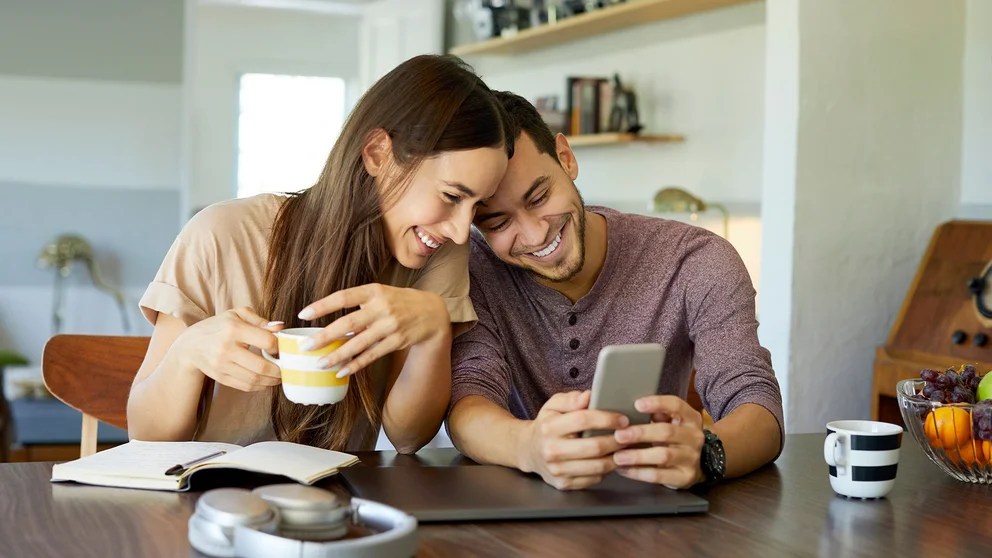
x=383, y=230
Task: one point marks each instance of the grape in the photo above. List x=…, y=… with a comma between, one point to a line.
x=969, y=368
x=929, y=374
x=953, y=377
x=929, y=390
x=981, y=417
x=961, y=394
x=945, y=381
x=973, y=383
x=966, y=376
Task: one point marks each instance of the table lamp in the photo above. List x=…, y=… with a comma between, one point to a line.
x=677, y=200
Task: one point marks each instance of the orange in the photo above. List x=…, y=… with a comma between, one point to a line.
x=948, y=427
x=971, y=452
x=965, y=453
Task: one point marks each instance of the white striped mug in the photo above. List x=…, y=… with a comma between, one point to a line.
x=303, y=380
x=862, y=456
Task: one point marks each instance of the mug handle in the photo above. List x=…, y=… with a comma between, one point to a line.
x=271, y=358
x=830, y=446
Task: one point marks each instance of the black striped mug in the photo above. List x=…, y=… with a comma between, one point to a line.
x=862, y=456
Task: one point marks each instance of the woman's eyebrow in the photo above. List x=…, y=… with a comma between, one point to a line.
x=461, y=188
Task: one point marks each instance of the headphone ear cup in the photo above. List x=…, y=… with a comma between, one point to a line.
x=209, y=538
x=218, y=515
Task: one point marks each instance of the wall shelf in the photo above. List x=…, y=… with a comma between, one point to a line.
x=604, y=20
x=616, y=138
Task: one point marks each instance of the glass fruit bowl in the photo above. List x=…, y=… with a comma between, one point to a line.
x=951, y=434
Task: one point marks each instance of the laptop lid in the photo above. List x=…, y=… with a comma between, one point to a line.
x=489, y=492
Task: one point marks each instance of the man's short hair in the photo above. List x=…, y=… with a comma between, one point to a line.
x=522, y=116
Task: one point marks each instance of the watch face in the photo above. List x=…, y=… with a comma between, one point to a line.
x=714, y=462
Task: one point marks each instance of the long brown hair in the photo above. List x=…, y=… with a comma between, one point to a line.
x=330, y=237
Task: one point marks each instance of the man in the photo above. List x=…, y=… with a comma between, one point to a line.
x=553, y=281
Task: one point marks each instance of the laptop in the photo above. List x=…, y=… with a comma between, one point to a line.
x=490, y=492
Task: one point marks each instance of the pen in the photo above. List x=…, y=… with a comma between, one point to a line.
x=179, y=468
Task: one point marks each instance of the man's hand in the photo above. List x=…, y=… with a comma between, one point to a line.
x=553, y=446
x=675, y=435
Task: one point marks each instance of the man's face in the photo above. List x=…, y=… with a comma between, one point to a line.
x=536, y=219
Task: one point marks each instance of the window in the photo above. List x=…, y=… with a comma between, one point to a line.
x=286, y=128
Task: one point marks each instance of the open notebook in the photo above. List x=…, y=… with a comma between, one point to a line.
x=138, y=464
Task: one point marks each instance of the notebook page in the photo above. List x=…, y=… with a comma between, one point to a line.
x=304, y=464
x=137, y=459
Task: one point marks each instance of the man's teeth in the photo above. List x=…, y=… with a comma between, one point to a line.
x=549, y=248
x=427, y=240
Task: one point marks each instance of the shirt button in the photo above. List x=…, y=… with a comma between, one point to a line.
x=574, y=372
x=573, y=344
x=572, y=319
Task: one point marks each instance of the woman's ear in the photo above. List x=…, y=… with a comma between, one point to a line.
x=565, y=156
x=377, y=152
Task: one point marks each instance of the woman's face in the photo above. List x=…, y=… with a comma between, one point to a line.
x=439, y=204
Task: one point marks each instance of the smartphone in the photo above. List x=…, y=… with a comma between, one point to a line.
x=625, y=373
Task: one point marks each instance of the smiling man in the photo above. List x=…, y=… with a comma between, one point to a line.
x=553, y=281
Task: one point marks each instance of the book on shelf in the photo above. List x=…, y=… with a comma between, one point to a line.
x=589, y=101
x=153, y=465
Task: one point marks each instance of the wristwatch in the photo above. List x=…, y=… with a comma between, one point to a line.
x=712, y=459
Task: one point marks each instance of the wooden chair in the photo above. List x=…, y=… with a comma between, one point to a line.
x=93, y=374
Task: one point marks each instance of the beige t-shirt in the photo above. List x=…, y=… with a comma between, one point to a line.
x=218, y=262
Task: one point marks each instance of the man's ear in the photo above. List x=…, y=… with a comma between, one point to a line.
x=377, y=153
x=566, y=157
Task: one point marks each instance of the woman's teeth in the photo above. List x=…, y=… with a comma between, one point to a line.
x=427, y=241
x=549, y=248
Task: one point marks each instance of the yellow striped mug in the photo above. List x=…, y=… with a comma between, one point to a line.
x=303, y=380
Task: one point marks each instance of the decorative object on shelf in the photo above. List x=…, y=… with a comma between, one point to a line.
x=555, y=118
x=495, y=18
x=677, y=200
x=60, y=254
x=623, y=113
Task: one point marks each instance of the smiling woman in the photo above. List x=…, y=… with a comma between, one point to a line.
x=376, y=247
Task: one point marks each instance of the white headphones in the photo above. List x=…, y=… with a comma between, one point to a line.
x=296, y=520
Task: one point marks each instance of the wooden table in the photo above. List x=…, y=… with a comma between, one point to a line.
x=786, y=509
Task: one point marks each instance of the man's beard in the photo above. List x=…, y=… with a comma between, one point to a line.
x=568, y=270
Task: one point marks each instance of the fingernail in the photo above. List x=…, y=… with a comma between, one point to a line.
x=274, y=324
x=307, y=345
x=624, y=421
x=307, y=314
x=622, y=435
x=641, y=405
x=343, y=372
x=325, y=362
x=621, y=458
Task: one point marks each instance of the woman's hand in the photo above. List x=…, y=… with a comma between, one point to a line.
x=220, y=347
x=389, y=319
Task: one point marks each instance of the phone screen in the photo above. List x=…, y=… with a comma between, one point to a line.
x=625, y=373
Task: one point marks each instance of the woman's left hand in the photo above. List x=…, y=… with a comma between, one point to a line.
x=389, y=319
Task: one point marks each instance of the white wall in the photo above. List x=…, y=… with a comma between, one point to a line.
x=229, y=41
x=89, y=133
x=779, y=188
x=877, y=167
x=976, y=157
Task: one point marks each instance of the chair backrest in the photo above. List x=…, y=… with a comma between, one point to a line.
x=93, y=374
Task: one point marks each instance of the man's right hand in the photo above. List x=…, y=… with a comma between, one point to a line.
x=554, y=448
x=220, y=347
